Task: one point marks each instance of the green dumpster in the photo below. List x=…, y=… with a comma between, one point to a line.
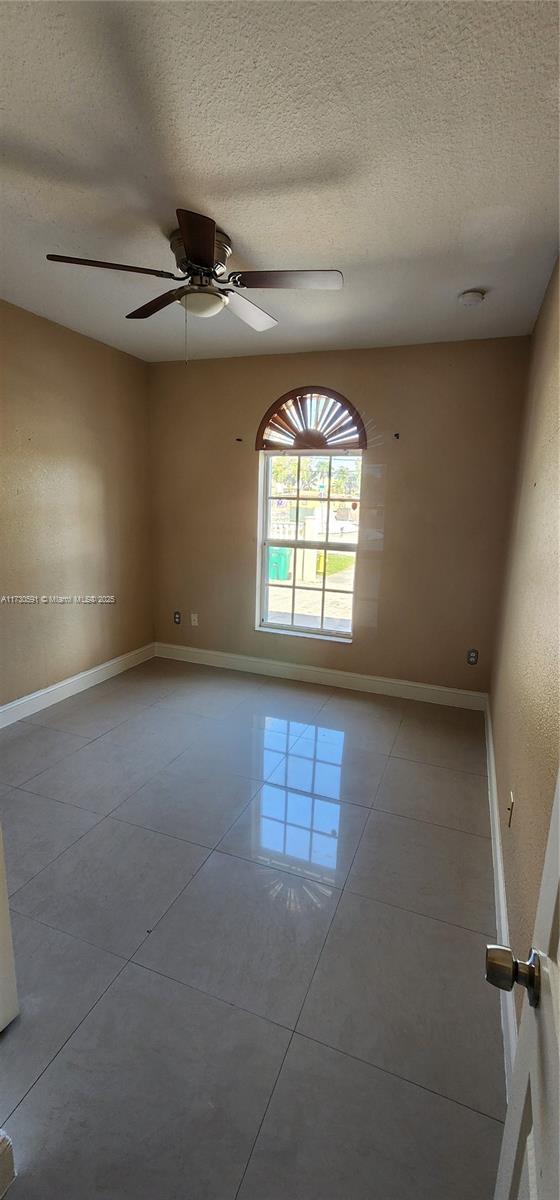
x=278, y=562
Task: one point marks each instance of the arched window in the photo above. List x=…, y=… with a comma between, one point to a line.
x=311, y=442
x=311, y=418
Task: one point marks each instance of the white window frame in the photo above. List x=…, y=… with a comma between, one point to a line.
x=261, y=625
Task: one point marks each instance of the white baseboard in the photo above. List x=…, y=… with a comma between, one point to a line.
x=430, y=693
x=26, y=706
x=509, y=1019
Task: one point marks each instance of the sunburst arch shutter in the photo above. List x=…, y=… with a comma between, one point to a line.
x=311, y=418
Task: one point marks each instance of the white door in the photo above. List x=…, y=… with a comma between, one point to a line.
x=8, y=993
x=529, y=1159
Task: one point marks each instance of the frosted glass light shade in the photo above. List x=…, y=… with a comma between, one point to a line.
x=204, y=304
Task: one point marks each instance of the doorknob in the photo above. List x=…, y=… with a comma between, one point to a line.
x=503, y=970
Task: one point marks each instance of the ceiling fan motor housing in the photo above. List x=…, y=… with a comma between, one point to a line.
x=222, y=252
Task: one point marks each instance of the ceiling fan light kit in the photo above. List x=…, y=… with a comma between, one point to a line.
x=204, y=302
x=201, y=253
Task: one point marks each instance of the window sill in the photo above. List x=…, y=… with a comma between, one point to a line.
x=298, y=633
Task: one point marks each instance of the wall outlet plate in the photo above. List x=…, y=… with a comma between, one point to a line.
x=177, y=617
x=194, y=618
x=472, y=657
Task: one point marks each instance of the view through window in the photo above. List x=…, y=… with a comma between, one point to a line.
x=310, y=513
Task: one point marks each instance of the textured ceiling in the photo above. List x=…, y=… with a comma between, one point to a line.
x=411, y=145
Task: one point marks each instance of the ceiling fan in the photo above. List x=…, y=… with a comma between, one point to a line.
x=201, y=252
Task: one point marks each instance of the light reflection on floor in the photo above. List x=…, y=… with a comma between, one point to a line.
x=298, y=818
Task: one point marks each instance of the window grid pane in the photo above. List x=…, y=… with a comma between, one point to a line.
x=285, y=483
x=334, y=544
x=282, y=518
x=340, y=570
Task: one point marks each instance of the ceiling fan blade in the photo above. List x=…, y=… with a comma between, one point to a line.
x=94, y=262
x=250, y=313
x=198, y=235
x=154, y=306
x=286, y=279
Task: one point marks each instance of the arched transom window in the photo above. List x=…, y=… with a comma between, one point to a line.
x=311, y=418
x=311, y=443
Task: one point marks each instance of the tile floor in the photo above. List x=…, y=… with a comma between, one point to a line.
x=249, y=921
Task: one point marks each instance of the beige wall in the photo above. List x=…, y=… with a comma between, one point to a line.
x=526, y=682
x=75, y=506
x=442, y=491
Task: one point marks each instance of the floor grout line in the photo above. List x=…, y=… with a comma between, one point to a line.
x=66, y=1040
x=426, y=762
x=394, y=742
x=77, y=937
x=392, y=812
x=56, y=858
x=413, y=912
x=175, y=837
x=251, y=1012
x=393, y=1074
x=171, y=903
x=421, y=762
x=53, y=800
x=90, y=738
x=263, y=1118
x=255, y=862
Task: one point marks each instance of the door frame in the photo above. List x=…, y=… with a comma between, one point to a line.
x=507, y=1000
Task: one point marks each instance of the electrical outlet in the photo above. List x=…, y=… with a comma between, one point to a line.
x=472, y=657
x=177, y=618
x=194, y=618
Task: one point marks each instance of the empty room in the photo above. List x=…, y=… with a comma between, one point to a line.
x=279, y=602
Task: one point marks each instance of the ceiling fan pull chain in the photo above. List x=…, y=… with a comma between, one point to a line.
x=186, y=336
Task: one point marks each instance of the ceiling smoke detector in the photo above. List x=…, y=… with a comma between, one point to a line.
x=472, y=296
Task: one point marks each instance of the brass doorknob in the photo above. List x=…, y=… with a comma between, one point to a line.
x=503, y=970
